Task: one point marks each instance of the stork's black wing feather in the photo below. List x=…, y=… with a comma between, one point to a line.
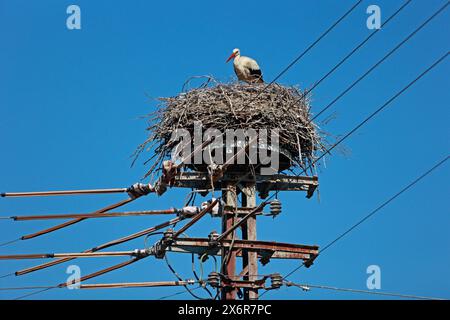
x=256, y=74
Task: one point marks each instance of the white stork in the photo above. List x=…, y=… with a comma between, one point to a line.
x=246, y=68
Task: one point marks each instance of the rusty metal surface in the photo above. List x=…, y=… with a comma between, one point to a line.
x=63, y=192
x=251, y=285
x=264, y=183
x=266, y=250
x=71, y=255
x=137, y=284
x=98, y=215
x=71, y=222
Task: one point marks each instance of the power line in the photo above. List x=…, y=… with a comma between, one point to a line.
x=360, y=125
x=179, y=278
x=360, y=45
x=386, y=203
x=313, y=44
x=380, y=61
x=384, y=105
x=304, y=52
x=9, y=242
x=327, y=151
x=33, y=293
x=373, y=114
x=26, y=288
x=178, y=293
x=7, y=275
x=306, y=287
x=410, y=185
x=320, y=38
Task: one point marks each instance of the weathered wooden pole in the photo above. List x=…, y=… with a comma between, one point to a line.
x=228, y=219
x=249, y=259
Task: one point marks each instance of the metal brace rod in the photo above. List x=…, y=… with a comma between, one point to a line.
x=73, y=255
x=63, y=192
x=137, y=284
x=90, y=216
x=71, y=222
x=103, y=246
x=102, y=271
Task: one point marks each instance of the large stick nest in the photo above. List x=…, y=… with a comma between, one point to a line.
x=236, y=105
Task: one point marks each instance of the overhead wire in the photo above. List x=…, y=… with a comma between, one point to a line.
x=437, y=62
x=382, y=107
x=379, y=62
x=373, y=212
x=178, y=293
x=306, y=287
x=353, y=51
x=312, y=45
x=179, y=278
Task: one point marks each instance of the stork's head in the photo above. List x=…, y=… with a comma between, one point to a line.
x=236, y=53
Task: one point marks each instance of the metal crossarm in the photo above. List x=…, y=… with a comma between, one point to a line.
x=264, y=183
x=266, y=250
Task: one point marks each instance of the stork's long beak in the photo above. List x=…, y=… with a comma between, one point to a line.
x=231, y=57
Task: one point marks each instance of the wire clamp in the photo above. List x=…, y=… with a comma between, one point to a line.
x=141, y=253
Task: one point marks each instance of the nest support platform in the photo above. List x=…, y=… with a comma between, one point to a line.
x=264, y=183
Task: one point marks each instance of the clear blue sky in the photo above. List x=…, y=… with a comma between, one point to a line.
x=70, y=103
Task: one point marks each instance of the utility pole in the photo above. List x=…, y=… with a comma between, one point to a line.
x=235, y=183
